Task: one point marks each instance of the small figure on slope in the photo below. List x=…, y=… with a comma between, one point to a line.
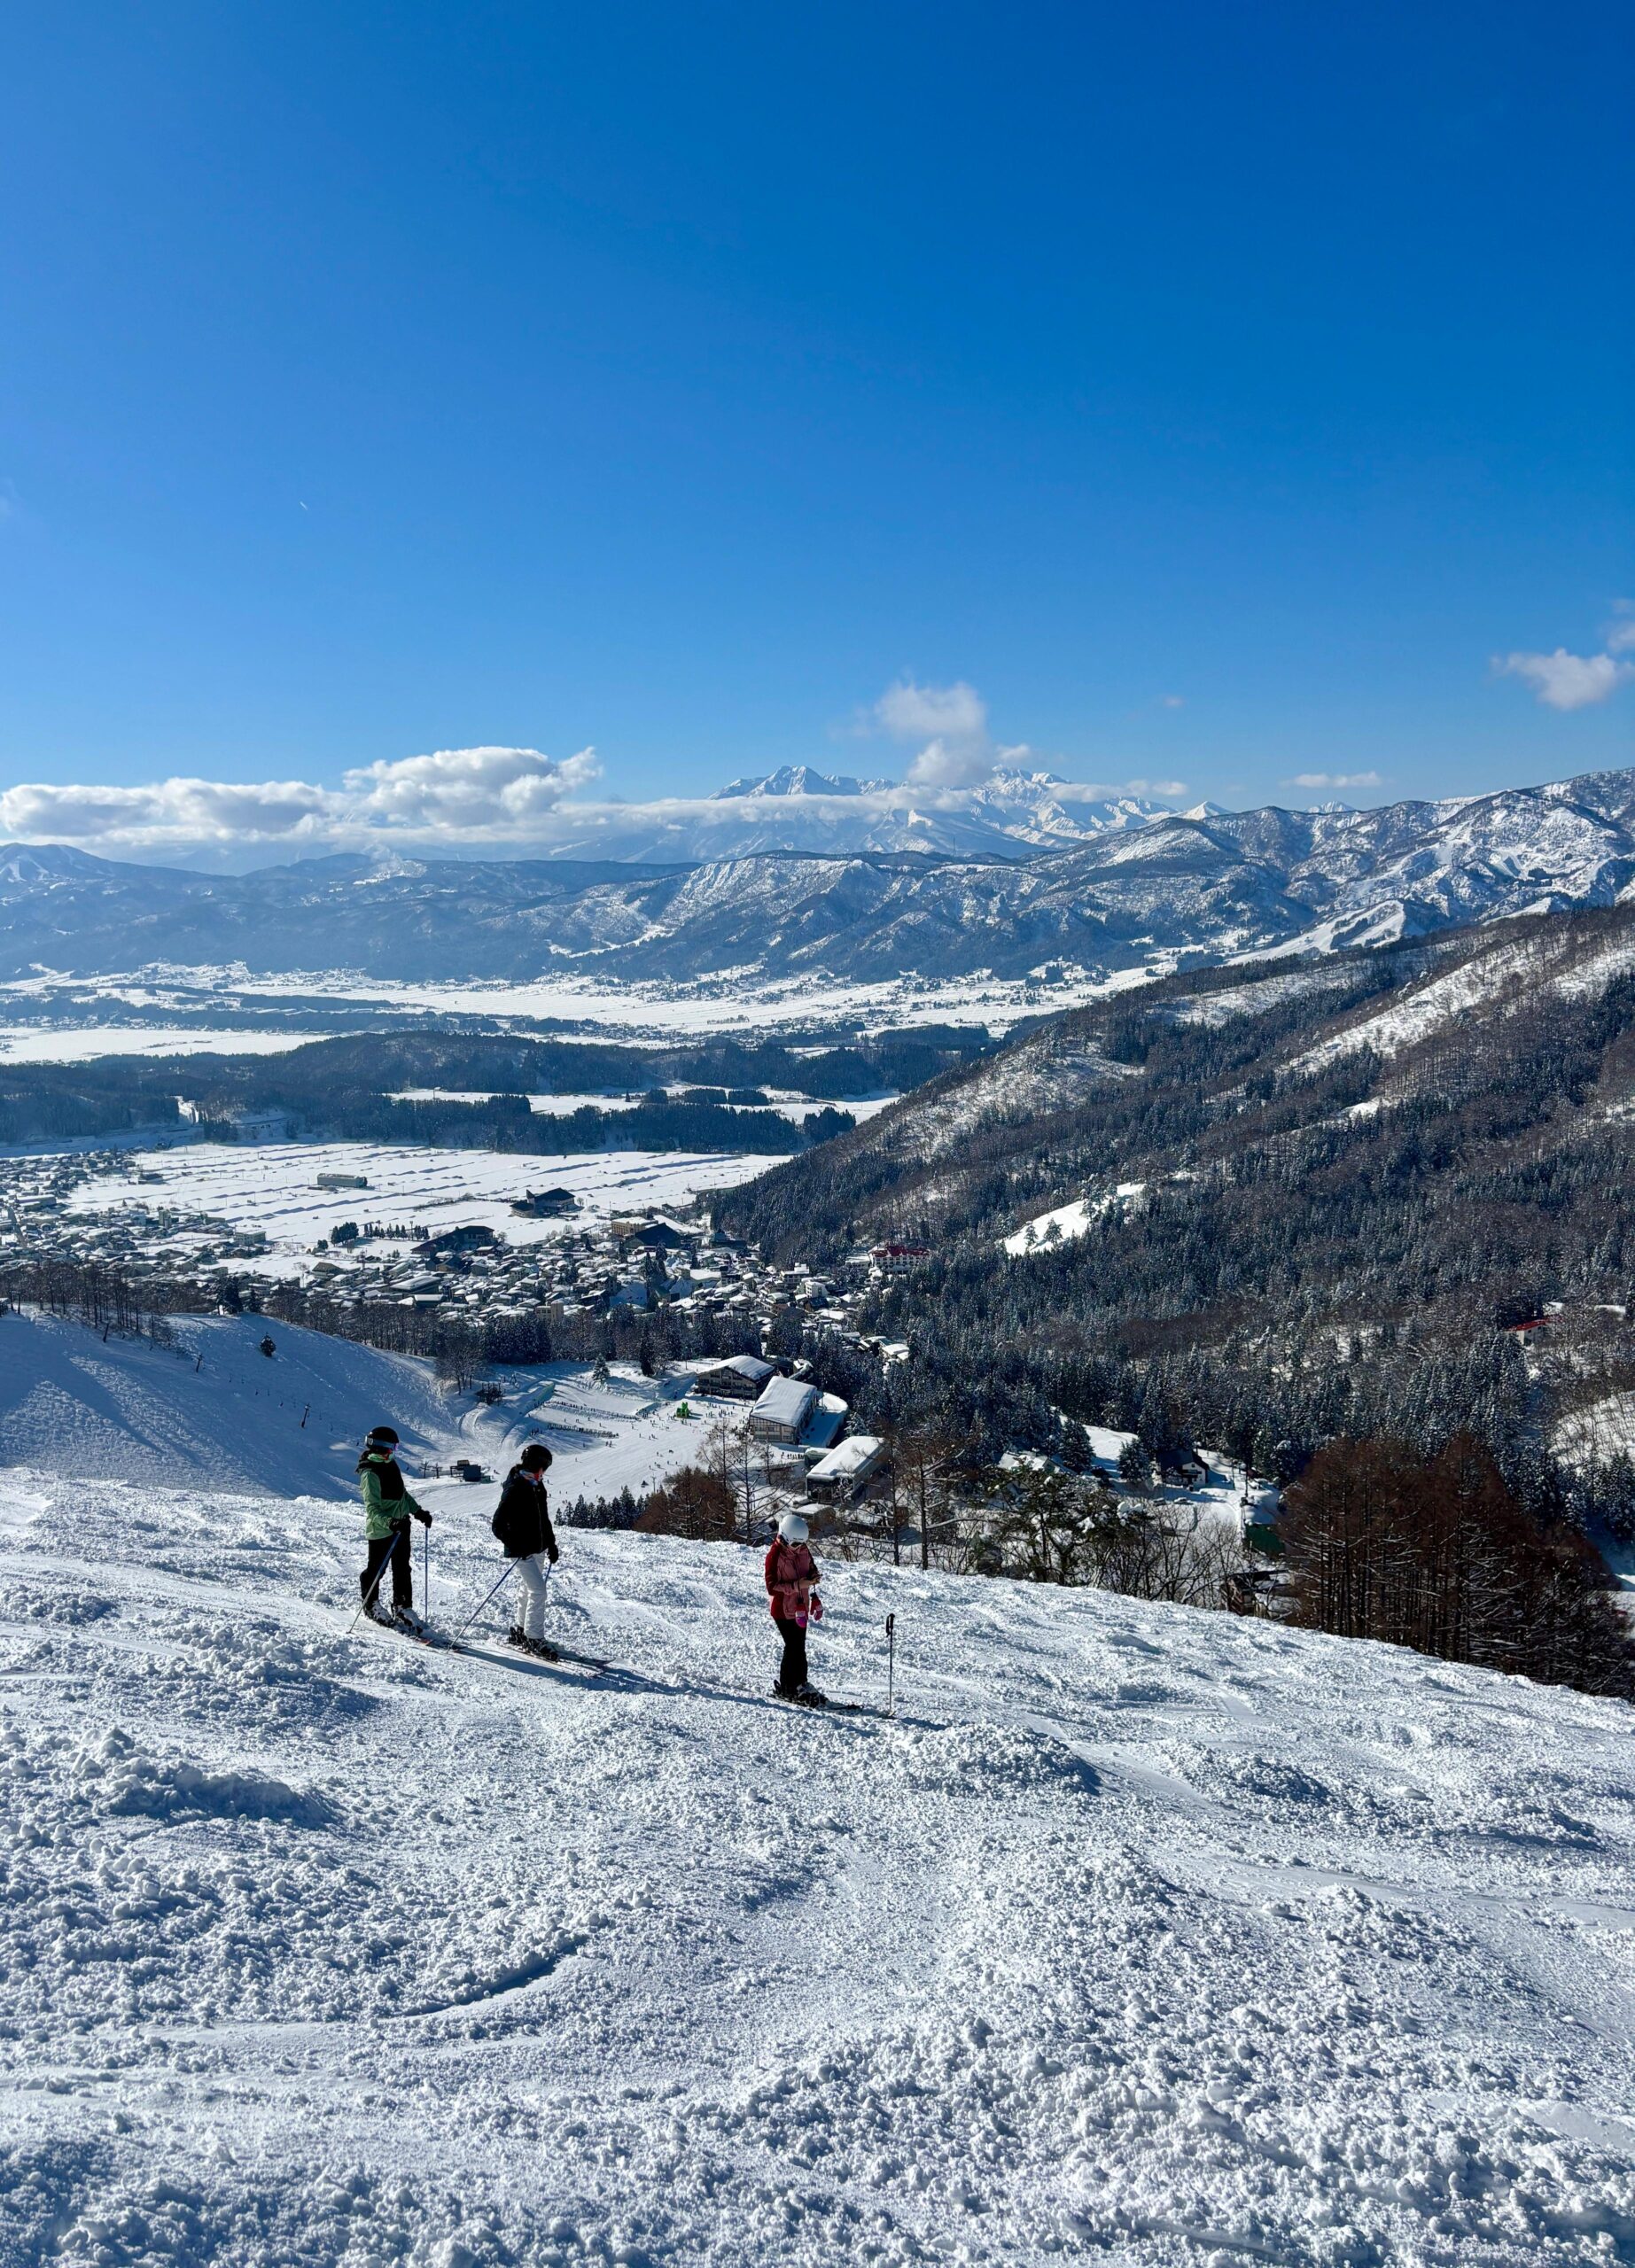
x=522, y=1522
x=791, y=1579
x=389, y=1507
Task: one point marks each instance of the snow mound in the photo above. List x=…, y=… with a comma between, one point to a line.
x=1144, y=1935
x=135, y=1786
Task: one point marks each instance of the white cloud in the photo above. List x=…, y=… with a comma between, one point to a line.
x=454, y=795
x=516, y=801
x=1164, y=791
x=465, y=790
x=1564, y=680
x=946, y=763
x=913, y=712
x=1621, y=635
x=1336, y=780
x=952, y=721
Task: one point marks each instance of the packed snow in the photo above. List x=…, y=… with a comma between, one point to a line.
x=1154, y=1935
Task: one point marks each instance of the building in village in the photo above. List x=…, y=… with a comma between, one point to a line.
x=739, y=1378
x=239, y=1125
x=656, y=1235
x=545, y=1204
x=843, y=1473
x=782, y=1410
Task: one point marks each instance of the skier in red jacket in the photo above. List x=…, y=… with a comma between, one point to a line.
x=791, y=1579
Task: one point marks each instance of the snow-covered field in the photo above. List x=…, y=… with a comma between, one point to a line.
x=89, y=1042
x=1142, y=1935
x=272, y=1187
x=736, y=1002
x=214, y=1412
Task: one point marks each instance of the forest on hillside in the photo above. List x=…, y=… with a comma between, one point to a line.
x=1319, y=1240
x=343, y=1088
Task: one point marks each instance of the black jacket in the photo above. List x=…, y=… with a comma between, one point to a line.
x=521, y=1522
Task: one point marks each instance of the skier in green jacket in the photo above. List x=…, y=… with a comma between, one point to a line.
x=389, y=1508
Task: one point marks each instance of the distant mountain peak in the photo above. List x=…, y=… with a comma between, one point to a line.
x=799, y=779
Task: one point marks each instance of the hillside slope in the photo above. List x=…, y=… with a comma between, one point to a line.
x=213, y=1413
x=1161, y=1937
x=121, y=1410
x=1312, y=1199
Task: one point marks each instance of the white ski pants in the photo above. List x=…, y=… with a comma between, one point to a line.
x=531, y=1570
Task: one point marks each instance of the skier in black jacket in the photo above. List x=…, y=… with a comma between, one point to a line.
x=522, y=1522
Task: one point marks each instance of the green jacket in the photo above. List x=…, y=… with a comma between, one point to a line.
x=387, y=1507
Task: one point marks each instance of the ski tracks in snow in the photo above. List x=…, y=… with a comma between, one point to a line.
x=1149, y=1936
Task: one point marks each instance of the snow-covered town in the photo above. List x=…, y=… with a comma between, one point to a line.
x=451, y=1233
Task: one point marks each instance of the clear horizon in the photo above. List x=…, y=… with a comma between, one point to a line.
x=418, y=427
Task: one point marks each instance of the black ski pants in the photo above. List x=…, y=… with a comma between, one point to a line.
x=402, y=1577
x=792, y=1668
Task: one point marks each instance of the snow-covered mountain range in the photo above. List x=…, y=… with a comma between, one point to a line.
x=1135, y=888
x=1010, y=815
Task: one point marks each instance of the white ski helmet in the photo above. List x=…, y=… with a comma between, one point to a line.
x=792, y=1528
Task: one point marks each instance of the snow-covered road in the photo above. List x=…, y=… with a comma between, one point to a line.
x=1144, y=1935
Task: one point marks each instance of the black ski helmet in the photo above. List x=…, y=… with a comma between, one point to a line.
x=382, y=1437
x=535, y=1458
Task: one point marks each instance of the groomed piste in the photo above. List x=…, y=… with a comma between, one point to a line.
x=1139, y=1935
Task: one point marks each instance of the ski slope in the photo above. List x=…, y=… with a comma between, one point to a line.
x=1140, y=1934
x=214, y=1413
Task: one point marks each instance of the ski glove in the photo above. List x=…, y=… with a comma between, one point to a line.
x=552, y=1553
x=424, y=1519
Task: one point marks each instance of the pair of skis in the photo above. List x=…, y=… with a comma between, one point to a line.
x=421, y=1634
x=828, y=1705
x=440, y=1642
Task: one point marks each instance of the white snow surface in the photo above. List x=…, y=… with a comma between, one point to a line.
x=216, y=1413
x=1142, y=1935
x=741, y=1003
x=1068, y=1222
x=46, y=1043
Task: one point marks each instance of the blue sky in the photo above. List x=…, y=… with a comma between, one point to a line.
x=1216, y=390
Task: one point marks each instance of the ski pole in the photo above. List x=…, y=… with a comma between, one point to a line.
x=477, y=1609
x=891, y=1664
x=373, y=1592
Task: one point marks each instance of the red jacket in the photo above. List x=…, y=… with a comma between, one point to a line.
x=791, y=1571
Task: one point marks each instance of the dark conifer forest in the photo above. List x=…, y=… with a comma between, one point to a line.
x=1388, y=1194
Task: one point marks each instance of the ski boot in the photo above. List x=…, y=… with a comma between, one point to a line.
x=405, y=1619
x=808, y=1696
x=541, y=1649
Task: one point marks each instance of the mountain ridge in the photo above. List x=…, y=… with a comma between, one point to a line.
x=1152, y=891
